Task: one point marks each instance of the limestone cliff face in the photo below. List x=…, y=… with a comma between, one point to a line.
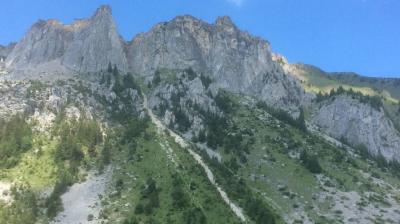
x=44, y=43
x=5, y=50
x=234, y=59
x=84, y=46
x=96, y=43
x=359, y=124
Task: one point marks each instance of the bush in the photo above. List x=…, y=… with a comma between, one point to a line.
x=106, y=152
x=205, y=80
x=149, y=196
x=156, y=78
x=310, y=162
x=179, y=199
x=182, y=120
x=109, y=69
x=134, y=128
x=224, y=102
x=118, y=86
x=190, y=73
x=260, y=214
x=194, y=216
x=130, y=82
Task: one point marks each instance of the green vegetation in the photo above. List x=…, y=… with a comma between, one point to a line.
x=373, y=101
x=149, y=199
x=35, y=88
x=381, y=162
x=53, y=203
x=280, y=157
x=285, y=116
x=205, y=80
x=15, y=139
x=310, y=162
x=23, y=209
x=77, y=138
x=317, y=81
x=257, y=209
x=161, y=190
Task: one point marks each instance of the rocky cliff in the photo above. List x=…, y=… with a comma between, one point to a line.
x=234, y=59
x=84, y=46
x=229, y=57
x=5, y=50
x=360, y=125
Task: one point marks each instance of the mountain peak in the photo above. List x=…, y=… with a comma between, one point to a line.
x=103, y=10
x=224, y=21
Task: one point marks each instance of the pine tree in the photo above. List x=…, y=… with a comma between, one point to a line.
x=109, y=69
x=301, y=121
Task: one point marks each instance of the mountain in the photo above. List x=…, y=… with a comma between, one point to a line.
x=234, y=59
x=190, y=122
x=363, y=115
x=87, y=45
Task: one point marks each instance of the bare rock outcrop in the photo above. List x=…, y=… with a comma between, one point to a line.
x=5, y=50
x=85, y=46
x=359, y=124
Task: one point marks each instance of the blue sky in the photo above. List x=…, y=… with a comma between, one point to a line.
x=336, y=35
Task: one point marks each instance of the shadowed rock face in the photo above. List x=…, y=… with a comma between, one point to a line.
x=234, y=59
x=84, y=46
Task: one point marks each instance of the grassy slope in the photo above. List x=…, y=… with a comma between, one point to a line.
x=315, y=80
x=274, y=170
x=152, y=160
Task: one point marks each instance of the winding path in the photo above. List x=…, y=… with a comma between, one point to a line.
x=179, y=140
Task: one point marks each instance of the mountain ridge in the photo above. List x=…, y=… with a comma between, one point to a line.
x=233, y=59
x=189, y=122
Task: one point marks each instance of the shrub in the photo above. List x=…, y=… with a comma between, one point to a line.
x=205, y=80
x=149, y=196
x=256, y=209
x=156, y=78
x=310, y=162
x=130, y=82
x=194, y=216
x=190, y=73
x=134, y=128
x=109, y=69
x=224, y=102
x=179, y=199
